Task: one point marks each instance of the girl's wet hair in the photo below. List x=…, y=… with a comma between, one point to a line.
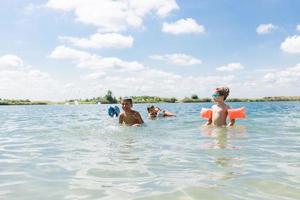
x=150, y=107
x=224, y=91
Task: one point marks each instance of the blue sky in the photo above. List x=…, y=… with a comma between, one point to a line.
x=61, y=49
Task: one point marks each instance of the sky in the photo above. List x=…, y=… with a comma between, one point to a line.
x=66, y=49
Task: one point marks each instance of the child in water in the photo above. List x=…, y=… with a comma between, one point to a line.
x=154, y=112
x=220, y=110
x=129, y=117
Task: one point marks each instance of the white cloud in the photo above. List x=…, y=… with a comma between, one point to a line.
x=18, y=80
x=276, y=82
x=10, y=62
x=298, y=27
x=265, y=28
x=178, y=59
x=286, y=76
x=160, y=83
x=183, y=26
x=28, y=83
x=231, y=67
x=291, y=44
x=93, y=76
x=114, y=16
x=94, y=62
x=108, y=40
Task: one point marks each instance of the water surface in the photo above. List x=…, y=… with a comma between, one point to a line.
x=78, y=152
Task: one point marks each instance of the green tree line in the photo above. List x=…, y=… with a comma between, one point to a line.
x=109, y=98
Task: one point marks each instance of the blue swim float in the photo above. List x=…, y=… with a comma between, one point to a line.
x=113, y=111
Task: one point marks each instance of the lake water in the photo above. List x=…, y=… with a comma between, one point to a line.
x=78, y=152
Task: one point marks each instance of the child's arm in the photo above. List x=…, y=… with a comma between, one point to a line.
x=231, y=123
x=169, y=114
x=209, y=121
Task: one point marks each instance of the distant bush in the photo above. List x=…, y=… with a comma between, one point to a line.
x=22, y=102
x=194, y=96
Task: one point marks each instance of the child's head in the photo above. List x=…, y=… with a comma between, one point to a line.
x=126, y=103
x=220, y=94
x=151, y=110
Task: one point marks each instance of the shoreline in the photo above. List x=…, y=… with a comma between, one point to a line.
x=12, y=102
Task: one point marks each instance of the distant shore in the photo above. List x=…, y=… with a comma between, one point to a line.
x=145, y=99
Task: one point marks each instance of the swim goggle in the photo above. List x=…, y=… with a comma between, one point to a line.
x=215, y=95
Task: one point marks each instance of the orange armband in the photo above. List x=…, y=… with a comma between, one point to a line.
x=237, y=113
x=206, y=113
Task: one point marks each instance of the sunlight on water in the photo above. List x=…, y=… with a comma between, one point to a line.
x=78, y=152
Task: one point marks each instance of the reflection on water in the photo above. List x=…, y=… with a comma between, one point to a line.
x=77, y=152
x=222, y=136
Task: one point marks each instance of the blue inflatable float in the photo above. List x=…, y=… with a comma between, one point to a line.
x=113, y=111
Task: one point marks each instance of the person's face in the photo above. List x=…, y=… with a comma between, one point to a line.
x=152, y=111
x=217, y=97
x=126, y=105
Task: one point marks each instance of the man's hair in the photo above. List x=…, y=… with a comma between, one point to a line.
x=224, y=91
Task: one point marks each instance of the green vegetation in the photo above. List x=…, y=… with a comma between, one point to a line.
x=194, y=96
x=194, y=100
x=22, y=102
x=153, y=99
x=265, y=99
x=109, y=99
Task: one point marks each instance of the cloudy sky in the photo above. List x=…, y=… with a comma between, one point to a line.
x=62, y=49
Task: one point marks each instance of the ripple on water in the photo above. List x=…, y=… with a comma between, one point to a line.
x=77, y=152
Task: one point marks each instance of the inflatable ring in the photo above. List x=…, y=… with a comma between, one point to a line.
x=237, y=113
x=206, y=113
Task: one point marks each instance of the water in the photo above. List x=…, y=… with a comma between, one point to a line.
x=78, y=152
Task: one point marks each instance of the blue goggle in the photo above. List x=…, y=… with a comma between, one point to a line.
x=215, y=95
